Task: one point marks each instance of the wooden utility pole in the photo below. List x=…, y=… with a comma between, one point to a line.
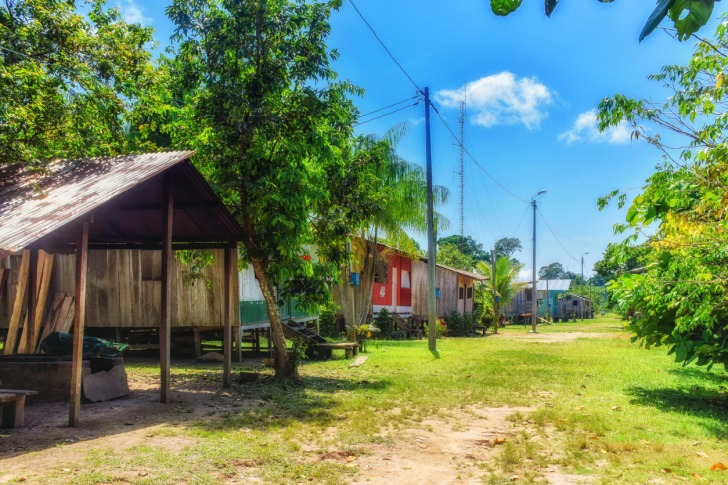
x=431, y=248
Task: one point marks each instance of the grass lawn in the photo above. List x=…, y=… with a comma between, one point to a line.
x=600, y=407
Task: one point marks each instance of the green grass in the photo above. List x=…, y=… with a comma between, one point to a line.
x=602, y=407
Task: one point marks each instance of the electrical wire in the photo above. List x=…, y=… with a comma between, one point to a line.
x=387, y=107
x=419, y=90
x=474, y=160
x=390, y=113
x=554, y=234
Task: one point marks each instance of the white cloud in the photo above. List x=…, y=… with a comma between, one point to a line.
x=501, y=99
x=586, y=129
x=133, y=13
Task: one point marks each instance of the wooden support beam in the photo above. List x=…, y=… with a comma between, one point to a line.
x=35, y=325
x=227, y=316
x=36, y=261
x=79, y=322
x=166, y=307
x=12, y=337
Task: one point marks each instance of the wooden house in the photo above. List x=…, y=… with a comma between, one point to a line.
x=405, y=289
x=112, y=225
x=549, y=294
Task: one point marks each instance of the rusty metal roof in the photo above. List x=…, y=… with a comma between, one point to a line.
x=124, y=194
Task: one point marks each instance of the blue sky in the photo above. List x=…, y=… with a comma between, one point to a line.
x=532, y=86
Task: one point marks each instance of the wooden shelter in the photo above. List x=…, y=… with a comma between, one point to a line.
x=155, y=201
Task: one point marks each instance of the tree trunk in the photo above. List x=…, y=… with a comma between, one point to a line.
x=283, y=365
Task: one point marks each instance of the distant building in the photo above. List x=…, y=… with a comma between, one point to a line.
x=549, y=304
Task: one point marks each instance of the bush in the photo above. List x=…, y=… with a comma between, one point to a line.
x=383, y=321
x=397, y=335
x=459, y=325
x=327, y=323
x=441, y=329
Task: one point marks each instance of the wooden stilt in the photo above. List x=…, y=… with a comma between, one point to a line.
x=198, y=342
x=227, y=339
x=238, y=342
x=79, y=322
x=166, y=315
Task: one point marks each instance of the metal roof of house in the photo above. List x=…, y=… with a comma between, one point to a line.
x=124, y=194
x=553, y=285
x=468, y=274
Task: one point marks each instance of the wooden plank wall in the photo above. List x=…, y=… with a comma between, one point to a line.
x=447, y=281
x=124, y=290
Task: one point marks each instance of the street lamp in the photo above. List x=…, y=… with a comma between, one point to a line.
x=581, y=301
x=534, y=293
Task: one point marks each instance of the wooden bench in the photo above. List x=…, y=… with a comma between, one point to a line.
x=13, y=407
x=350, y=348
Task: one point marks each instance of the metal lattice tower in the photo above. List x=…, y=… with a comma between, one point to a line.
x=461, y=172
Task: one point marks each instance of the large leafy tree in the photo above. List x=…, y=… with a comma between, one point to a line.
x=508, y=246
x=450, y=255
x=553, y=271
x=466, y=245
x=72, y=85
x=687, y=15
x=682, y=294
x=271, y=125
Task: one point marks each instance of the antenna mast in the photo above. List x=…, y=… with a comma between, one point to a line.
x=462, y=175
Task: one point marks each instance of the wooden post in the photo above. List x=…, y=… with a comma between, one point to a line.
x=227, y=315
x=33, y=280
x=14, y=326
x=166, y=316
x=79, y=321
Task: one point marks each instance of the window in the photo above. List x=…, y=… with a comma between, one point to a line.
x=575, y=303
x=461, y=293
x=528, y=294
x=470, y=292
x=405, y=279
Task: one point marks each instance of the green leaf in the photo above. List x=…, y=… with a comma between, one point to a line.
x=656, y=17
x=690, y=15
x=550, y=5
x=504, y=7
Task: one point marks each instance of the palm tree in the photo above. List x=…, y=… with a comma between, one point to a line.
x=401, y=207
x=506, y=282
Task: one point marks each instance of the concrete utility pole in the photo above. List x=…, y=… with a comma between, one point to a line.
x=581, y=300
x=496, y=303
x=534, y=292
x=431, y=247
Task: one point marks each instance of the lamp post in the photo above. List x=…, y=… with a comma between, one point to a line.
x=534, y=293
x=581, y=300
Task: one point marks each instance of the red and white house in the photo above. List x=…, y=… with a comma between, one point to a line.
x=396, y=294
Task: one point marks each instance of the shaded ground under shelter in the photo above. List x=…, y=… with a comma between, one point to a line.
x=155, y=201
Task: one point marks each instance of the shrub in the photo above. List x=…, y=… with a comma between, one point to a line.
x=327, y=323
x=459, y=325
x=441, y=328
x=383, y=321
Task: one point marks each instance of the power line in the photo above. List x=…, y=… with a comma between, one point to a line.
x=554, y=234
x=390, y=113
x=474, y=160
x=419, y=90
x=387, y=107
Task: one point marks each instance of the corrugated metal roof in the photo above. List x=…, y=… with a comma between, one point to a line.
x=475, y=276
x=126, y=190
x=553, y=285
